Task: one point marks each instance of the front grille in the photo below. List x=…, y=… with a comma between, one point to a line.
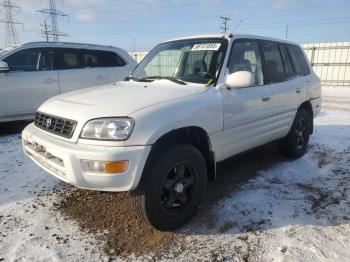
x=56, y=125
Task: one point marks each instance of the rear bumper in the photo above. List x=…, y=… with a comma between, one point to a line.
x=62, y=159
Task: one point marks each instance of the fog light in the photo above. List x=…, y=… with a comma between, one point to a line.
x=109, y=167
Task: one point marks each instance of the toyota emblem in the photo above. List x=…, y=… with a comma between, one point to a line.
x=48, y=122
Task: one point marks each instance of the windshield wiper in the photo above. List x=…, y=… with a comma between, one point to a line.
x=128, y=78
x=170, y=78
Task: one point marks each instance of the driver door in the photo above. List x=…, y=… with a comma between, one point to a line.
x=248, y=115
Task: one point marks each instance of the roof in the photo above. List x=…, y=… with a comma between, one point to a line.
x=234, y=36
x=65, y=44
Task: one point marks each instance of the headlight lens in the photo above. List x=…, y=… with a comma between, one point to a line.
x=108, y=129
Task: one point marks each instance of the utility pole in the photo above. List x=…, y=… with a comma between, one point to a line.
x=11, y=36
x=52, y=13
x=45, y=32
x=224, y=23
x=134, y=45
x=287, y=29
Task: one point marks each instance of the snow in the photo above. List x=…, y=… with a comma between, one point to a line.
x=284, y=211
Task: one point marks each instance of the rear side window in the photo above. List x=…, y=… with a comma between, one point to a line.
x=29, y=60
x=273, y=62
x=300, y=65
x=286, y=61
x=70, y=59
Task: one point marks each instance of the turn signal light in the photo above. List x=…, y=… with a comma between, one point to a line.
x=116, y=167
x=102, y=167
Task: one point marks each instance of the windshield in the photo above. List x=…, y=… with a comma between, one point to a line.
x=196, y=61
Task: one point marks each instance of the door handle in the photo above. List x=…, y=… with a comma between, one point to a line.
x=265, y=98
x=298, y=90
x=101, y=77
x=49, y=81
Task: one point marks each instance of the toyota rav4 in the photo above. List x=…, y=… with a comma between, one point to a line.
x=191, y=103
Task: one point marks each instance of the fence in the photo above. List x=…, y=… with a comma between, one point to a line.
x=331, y=61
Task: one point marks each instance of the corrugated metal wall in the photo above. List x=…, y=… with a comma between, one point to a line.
x=331, y=61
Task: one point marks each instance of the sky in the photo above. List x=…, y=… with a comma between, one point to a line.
x=145, y=23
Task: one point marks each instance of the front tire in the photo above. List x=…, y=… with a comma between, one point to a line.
x=294, y=145
x=173, y=188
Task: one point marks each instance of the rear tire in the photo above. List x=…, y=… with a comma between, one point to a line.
x=294, y=145
x=172, y=188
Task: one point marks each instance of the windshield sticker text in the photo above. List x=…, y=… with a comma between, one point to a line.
x=206, y=47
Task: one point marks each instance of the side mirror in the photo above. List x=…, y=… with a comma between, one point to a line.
x=240, y=79
x=4, y=67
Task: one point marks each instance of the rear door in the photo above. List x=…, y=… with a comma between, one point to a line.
x=248, y=117
x=282, y=79
x=80, y=68
x=32, y=79
x=302, y=70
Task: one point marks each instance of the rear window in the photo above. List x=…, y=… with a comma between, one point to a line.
x=300, y=65
x=273, y=62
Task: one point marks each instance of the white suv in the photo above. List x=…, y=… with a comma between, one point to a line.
x=191, y=103
x=31, y=73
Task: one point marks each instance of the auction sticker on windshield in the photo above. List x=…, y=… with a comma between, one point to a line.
x=206, y=47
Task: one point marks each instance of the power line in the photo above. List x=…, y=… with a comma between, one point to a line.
x=52, y=13
x=224, y=22
x=11, y=36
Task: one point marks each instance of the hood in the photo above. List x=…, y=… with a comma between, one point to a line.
x=118, y=99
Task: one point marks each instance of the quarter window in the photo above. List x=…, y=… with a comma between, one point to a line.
x=273, y=62
x=30, y=60
x=109, y=59
x=300, y=65
x=245, y=56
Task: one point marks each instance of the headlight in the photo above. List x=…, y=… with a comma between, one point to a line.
x=108, y=129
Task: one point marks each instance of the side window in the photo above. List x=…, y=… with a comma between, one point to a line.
x=109, y=59
x=299, y=61
x=70, y=59
x=273, y=62
x=47, y=60
x=286, y=61
x=245, y=56
x=90, y=59
x=24, y=61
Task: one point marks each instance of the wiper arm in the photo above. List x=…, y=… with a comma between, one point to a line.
x=128, y=78
x=170, y=78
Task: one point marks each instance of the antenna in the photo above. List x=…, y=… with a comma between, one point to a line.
x=11, y=37
x=52, y=13
x=224, y=22
x=287, y=31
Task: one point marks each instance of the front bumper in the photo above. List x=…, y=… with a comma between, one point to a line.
x=63, y=160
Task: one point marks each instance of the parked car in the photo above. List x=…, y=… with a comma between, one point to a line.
x=191, y=103
x=31, y=73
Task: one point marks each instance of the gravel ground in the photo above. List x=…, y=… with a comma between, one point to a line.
x=263, y=207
